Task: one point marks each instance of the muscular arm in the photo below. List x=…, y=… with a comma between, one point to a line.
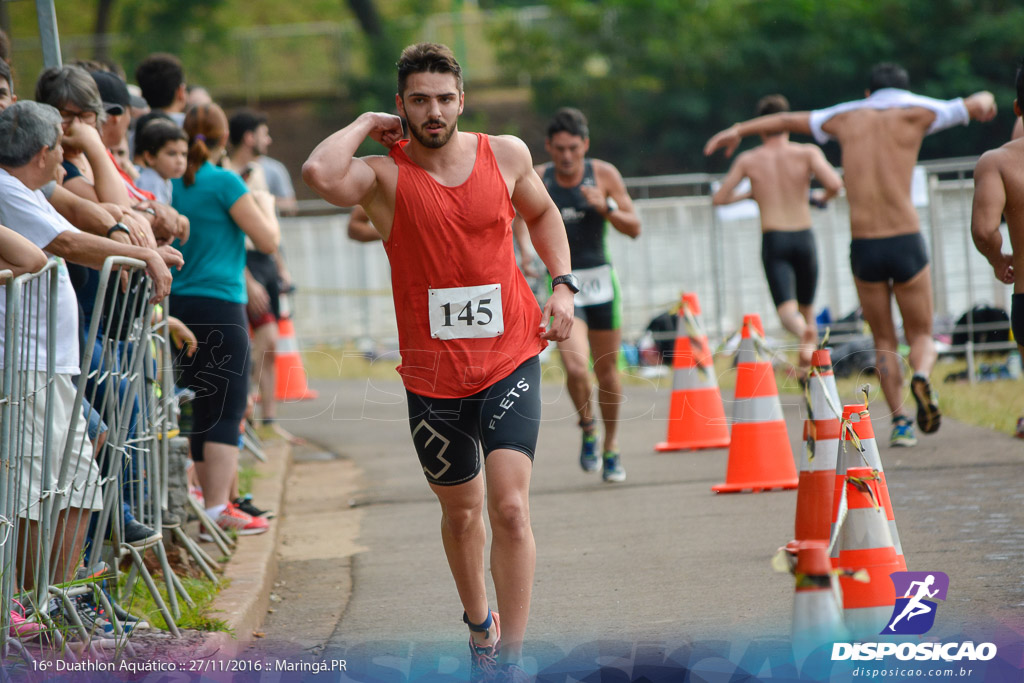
x=547, y=231
x=826, y=175
x=787, y=121
x=19, y=255
x=726, y=191
x=360, y=228
x=623, y=219
x=989, y=202
x=335, y=174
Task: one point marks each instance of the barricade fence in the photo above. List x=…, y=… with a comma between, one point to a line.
x=81, y=455
x=343, y=289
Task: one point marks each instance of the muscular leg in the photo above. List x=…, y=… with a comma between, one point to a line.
x=575, y=353
x=809, y=339
x=914, y=299
x=799, y=321
x=605, y=345
x=876, y=302
x=513, y=552
x=464, y=536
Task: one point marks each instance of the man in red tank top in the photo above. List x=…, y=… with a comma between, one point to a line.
x=469, y=328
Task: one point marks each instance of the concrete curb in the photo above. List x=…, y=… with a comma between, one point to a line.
x=253, y=567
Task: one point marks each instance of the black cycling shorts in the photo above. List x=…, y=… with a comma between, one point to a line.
x=883, y=259
x=448, y=432
x=790, y=261
x=218, y=372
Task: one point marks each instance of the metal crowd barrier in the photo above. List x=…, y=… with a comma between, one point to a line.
x=26, y=391
x=126, y=378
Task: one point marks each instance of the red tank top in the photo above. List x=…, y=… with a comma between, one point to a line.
x=466, y=317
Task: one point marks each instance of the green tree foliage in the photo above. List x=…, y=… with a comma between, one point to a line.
x=165, y=24
x=658, y=77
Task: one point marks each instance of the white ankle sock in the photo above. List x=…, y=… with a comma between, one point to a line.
x=215, y=511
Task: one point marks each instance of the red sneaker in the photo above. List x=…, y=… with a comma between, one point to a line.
x=242, y=523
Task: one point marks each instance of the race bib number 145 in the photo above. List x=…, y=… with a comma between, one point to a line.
x=466, y=312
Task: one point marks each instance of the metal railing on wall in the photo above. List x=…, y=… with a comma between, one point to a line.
x=344, y=293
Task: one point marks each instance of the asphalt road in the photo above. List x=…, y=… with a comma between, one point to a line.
x=630, y=572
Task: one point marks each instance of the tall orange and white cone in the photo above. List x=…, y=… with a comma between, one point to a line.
x=817, y=610
x=864, y=542
x=760, y=457
x=858, y=448
x=696, y=417
x=814, y=494
x=290, y=384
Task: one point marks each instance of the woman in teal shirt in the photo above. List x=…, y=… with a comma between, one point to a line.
x=209, y=296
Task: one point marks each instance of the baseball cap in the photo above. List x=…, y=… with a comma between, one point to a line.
x=113, y=92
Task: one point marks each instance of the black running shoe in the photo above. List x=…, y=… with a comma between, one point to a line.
x=245, y=505
x=928, y=414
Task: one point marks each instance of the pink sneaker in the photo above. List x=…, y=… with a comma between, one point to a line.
x=243, y=524
x=23, y=629
x=197, y=493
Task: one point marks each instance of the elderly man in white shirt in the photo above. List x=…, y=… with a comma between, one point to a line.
x=30, y=151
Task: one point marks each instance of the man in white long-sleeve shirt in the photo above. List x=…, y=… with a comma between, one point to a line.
x=880, y=137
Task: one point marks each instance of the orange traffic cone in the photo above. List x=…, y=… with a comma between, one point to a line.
x=696, y=417
x=817, y=612
x=291, y=376
x=865, y=543
x=821, y=448
x=859, y=449
x=760, y=457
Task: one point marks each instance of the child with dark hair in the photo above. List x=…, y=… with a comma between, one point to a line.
x=163, y=147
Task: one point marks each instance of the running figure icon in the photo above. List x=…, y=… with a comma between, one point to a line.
x=915, y=606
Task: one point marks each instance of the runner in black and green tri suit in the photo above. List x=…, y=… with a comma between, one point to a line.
x=591, y=195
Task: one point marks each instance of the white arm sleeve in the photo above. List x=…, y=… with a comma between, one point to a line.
x=948, y=113
x=820, y=116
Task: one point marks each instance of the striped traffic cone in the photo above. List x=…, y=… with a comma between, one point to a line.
x=817, y=612
x=760, y=457
x=814, y=512
x=865, y=543
x=696, y=417
x=859, y=449
x=290, y=384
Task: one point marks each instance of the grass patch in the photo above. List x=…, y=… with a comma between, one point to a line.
x=348, y=363
x=993, y=405
x=247, y=474
x=202, y=590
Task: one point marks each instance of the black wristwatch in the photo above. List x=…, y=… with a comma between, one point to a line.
x=118, y=227
x=569, y=280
